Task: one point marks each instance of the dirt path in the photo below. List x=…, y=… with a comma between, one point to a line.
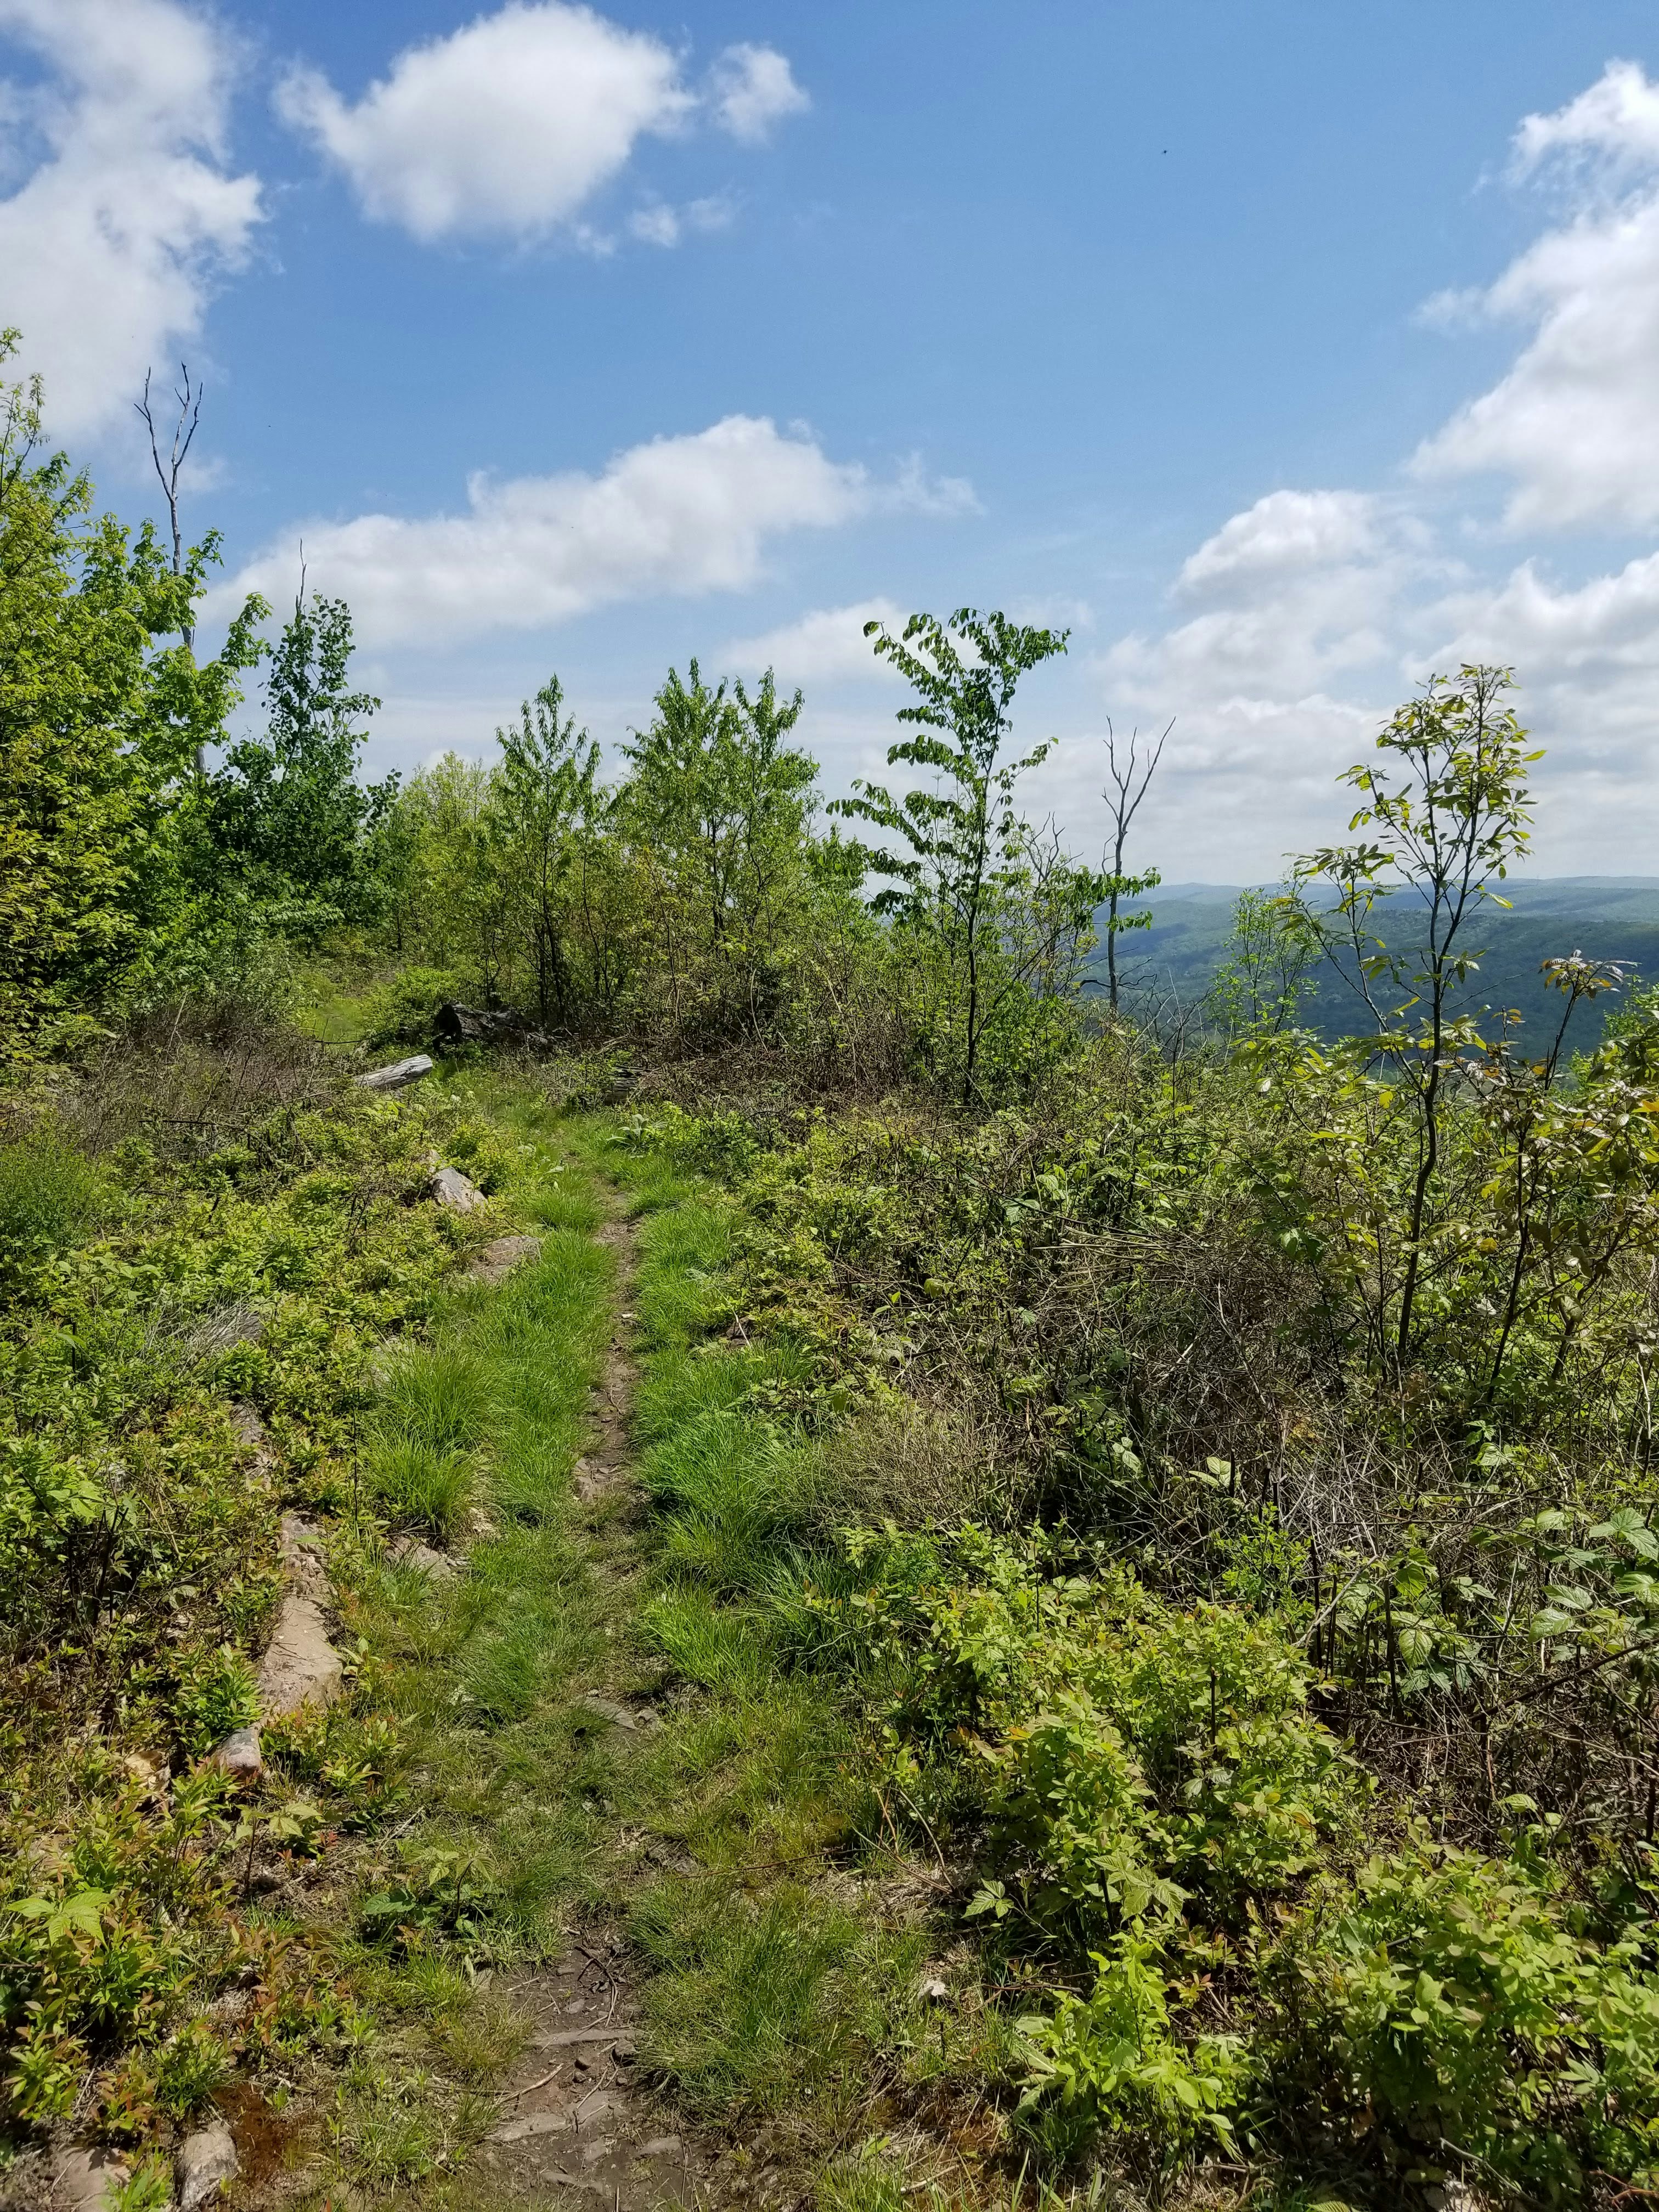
x=576, y=2115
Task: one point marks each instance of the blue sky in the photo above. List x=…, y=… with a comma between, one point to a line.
x=1270, y=346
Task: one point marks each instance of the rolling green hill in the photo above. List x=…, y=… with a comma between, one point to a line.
x=1606, y=917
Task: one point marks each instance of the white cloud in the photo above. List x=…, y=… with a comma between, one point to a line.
x=658, y=224
x=126, y=213
x=1284, y=534
x=680, y=515
x=1575, y=423
x=509, y=127
x=752, y=88
x=825, y=646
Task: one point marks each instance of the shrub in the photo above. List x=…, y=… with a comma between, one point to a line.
x=48, y=1193
x=1107, y=2063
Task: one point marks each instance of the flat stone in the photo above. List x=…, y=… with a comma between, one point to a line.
x=302, y=1563
x=301, y=1667
x=620, y=1716
x=207, y=2160
x=410, y=1552
x=451, y=1188
x=87, y=2180
x=501, y=1257
x=533, y=2124
x=399, y=1075
x=241, y=1756
x=569, y=2039
x=245, y=1421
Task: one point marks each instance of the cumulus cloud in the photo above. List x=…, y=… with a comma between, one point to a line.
x=510, y=126
x=753, y=88
x=1575, y=423
x=825, y=646
x=685, y=515
x=126, y=212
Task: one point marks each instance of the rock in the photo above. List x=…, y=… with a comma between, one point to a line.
x=620, y=2042
x=533, y=2124
x=303, y=1565
x=501, y=1258
x=301, y=1666
x=207, y=2160
x=410, y=1552
x=619, y=1715
x=453, y=1025
x=241, y=1756
x=87, y=2180
x=397, y=1077
x=451, y=1187
x=245, y=1421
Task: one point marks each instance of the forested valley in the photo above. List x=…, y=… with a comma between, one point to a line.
x=630, y=1398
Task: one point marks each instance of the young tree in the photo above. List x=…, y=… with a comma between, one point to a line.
x=722, y=804
x=98, y=726
x=1450, y=813
x=287, y=806
x=546, y=789
x=1126, y=787
x=962, y=845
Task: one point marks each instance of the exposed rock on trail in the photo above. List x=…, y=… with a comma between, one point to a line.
x=498, y=1260
x=451, y=1188
x=301, y=1666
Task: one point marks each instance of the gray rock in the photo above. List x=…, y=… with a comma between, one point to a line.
x=301, y=1666
x=399, y=1075
x=207, y=2160
x=451, y=1187
x=302, y=1562
x=501, y=1258
x=410, y=1552
x=87, y=2179
x=241, y=1756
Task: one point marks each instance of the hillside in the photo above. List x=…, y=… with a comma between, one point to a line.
x=1605, y=917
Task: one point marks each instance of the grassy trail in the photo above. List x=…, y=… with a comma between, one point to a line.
x=624, y=1922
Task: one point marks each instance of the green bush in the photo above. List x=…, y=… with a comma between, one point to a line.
x=48, y=1193
x=1107, y=2065
x=1450, y=1997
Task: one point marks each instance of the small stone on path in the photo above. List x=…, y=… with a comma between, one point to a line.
x=301, y=1666
x=451, y=1188
x=87, y=2180
x=206, y=2161
x=241, y=1756
x=500, y=1258
x=410, y=1552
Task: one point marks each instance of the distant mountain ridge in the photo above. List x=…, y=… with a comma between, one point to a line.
x=1605, y=917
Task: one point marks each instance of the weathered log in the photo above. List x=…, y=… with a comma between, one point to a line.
x=398, y=1076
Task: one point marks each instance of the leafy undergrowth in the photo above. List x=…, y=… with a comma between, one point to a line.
x=1191, y=1940
x=196, y=1228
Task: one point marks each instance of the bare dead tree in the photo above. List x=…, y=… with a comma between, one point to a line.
x=1128, y=780
x=169, y=472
